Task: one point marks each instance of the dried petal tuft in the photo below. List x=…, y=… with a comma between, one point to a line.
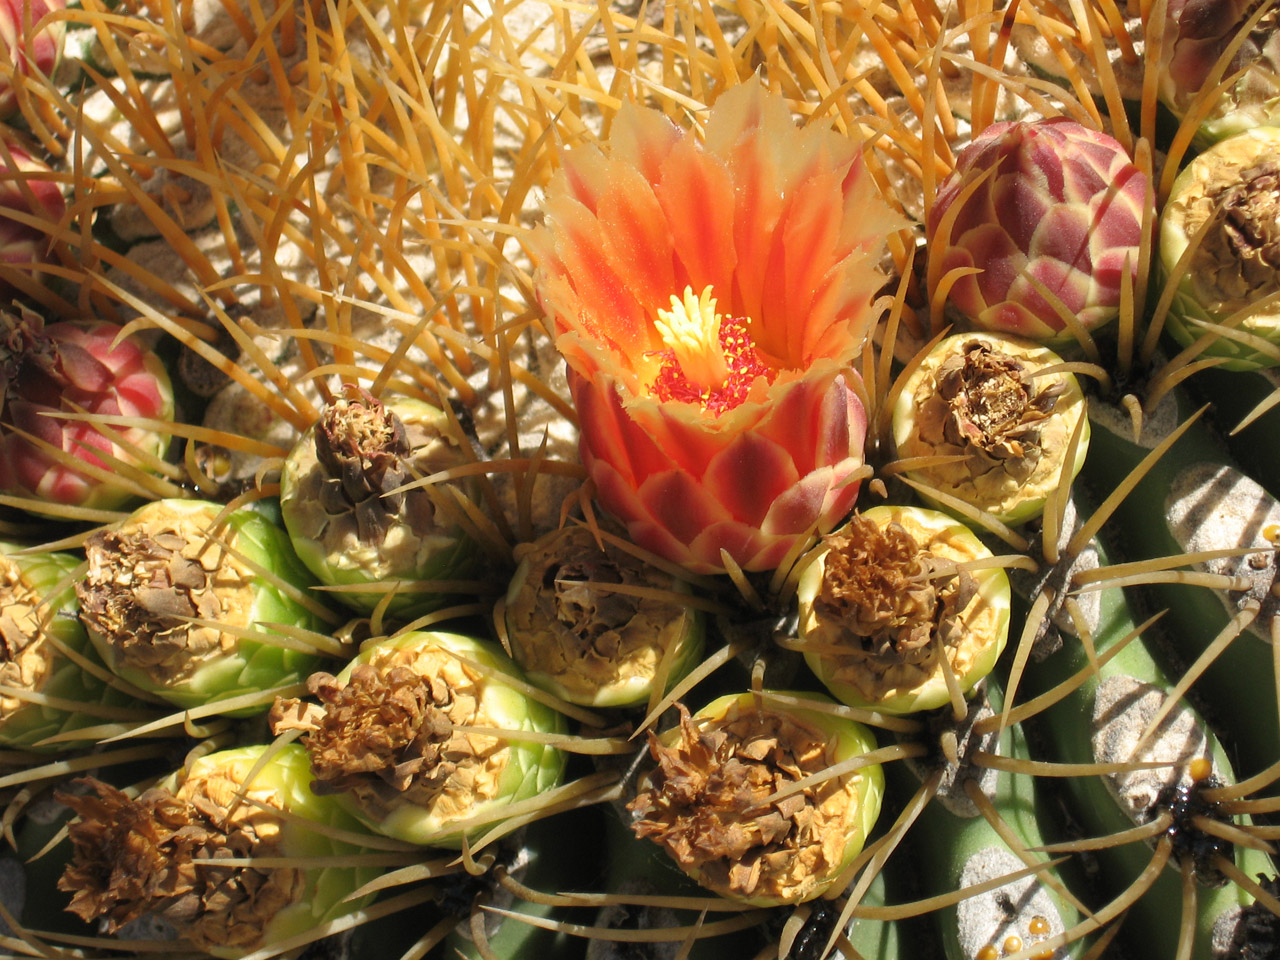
x=984, y=400
x=583, y=640
x=149, y=856
x=889, y=599
x=890, y=594
x=145, y=578
x=707, y=804
x=387, y=738
x=25, y=659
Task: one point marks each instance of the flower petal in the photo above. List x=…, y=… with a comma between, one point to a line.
x=696, y=193
x=748, y=475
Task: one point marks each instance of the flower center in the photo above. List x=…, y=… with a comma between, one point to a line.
x=710, y=360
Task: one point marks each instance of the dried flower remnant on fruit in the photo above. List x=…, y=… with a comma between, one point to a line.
x=341, y=499
x=389, y=736
x=985, y=407
x=891, y=598
x=25, y=659
x=1239, y=258
x=149, y=575
x=706, y=804
x=983, y=398
x=362, y=446
x=1196, y=34
x=888, y=602
x=589, y=642
x=1231, y=192
x=150, y=855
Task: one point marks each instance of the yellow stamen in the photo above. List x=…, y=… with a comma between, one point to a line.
x=691, y=329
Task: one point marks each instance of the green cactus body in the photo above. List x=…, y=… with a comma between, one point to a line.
x=1193, y=499
x=1101, y=722
x=955, y=847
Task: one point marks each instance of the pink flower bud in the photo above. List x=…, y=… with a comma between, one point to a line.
x=1063, y=208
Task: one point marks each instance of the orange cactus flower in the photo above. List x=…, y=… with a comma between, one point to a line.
x=709, y=296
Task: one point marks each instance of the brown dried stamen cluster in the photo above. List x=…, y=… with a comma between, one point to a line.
x=363, y=448
x=565, y=627
x=1239, y=259
x=707, y=804
x=985, y=408
x=142, y=583
x=23, y=341
x=388, y=738
x=889, y=596
x=150, y=856
x=25, y=659
x=1250, y=211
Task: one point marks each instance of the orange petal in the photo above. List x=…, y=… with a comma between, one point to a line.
x=637, y=240
x=606, y=432
x=696, y=193
x=810, y=230
x=608, y=310
x=642, y=138
x=818, y=420
x=817, y=503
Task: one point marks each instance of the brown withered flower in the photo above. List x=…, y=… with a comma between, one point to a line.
x=710, y=802
x=391, y=737
x=891, y=596
x=888, y=599
x=586, y=642
x=386, y=735
x=363, y=447
x=984, y=401
x=181, y=598
x=147, y=575
x=349, y=519
x=25, y=659
x=1227, y=199
x=149, y=856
